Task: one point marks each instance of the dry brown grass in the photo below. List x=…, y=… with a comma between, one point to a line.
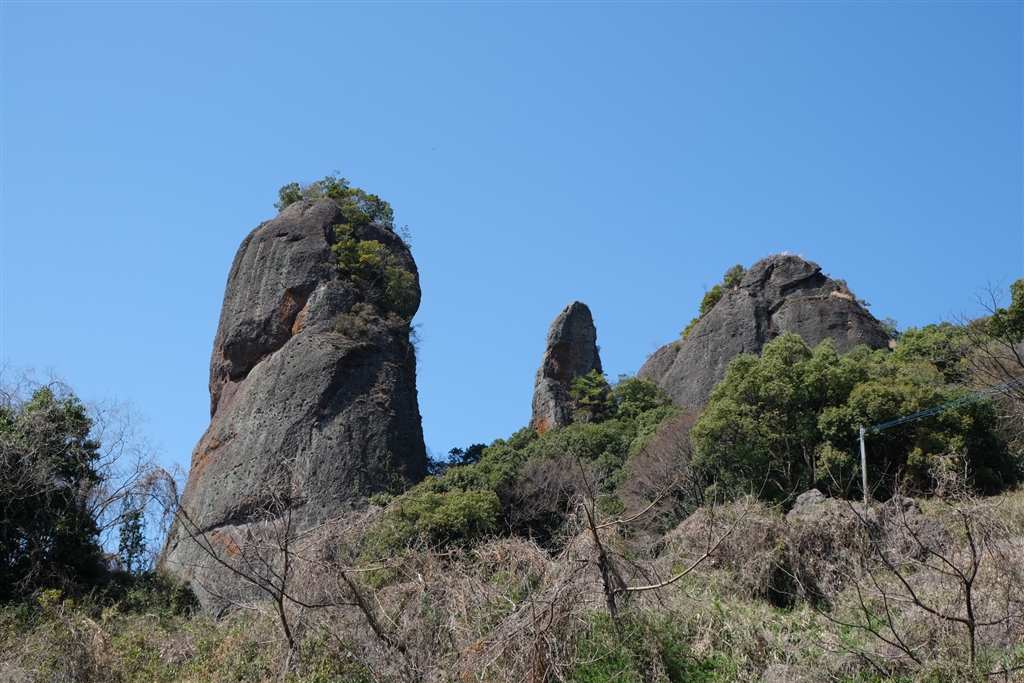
x=509, y=610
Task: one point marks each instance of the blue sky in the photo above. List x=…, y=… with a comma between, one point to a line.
x=622, y=154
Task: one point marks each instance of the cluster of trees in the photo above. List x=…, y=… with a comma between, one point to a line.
x=76, y=483
x=788, y=420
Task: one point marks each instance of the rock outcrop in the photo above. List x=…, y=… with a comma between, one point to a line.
x=571, y=351
x=312, y=393
x=778, y=294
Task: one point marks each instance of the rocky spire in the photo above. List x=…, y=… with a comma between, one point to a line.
x=571, y=350
x=312, y=388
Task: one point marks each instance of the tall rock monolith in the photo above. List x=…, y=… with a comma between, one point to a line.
x=571, y=351
x=312, y=393
x=778, y=294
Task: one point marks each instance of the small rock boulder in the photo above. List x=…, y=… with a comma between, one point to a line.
x=807, y=501
x=571, y=350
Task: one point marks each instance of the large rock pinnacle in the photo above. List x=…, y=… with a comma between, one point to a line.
x=778, y=294
x=571, y=351
x=312, y=392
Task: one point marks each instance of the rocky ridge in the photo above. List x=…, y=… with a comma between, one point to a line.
x=782, y=293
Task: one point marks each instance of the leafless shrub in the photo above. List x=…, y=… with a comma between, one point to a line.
x=131, y=478
x=661, y=473
x=995, y=359
x=540, y=498
x=927, y=590
x=755, y=553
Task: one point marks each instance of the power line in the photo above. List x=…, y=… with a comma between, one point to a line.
x=976, y=396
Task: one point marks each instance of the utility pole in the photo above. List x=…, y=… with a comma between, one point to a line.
x=864, y=466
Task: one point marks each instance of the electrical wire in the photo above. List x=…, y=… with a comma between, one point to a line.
x=976, y=396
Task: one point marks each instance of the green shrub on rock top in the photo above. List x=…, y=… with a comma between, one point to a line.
x=359, y=207
x=371, y=265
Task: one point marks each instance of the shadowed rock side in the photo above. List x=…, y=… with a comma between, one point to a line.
x=303, y=416
x=571, y=350
x=779, y=294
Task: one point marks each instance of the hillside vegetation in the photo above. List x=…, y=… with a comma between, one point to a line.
x=642, y=542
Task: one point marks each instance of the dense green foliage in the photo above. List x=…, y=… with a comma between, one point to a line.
x=48, y=533
x=589, y=396
x=731, y=280
x=595, y=400
x=358, y=206
x=1008, y=323
x=522, y=485
x=376, y=272
x=788, y=420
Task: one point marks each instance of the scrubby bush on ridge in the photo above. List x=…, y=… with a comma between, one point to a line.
x=510, y=489
x=788, y=420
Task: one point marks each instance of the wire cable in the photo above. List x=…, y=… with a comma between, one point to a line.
x=976, y=396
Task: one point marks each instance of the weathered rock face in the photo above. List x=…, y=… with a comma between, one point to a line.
x=571, y=351
x=304, y=416
x=778, y=294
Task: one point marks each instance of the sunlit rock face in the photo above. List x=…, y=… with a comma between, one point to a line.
x=778, y=294
x=309, y=415
x=571, y=351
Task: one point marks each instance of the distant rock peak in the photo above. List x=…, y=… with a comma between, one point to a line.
x=571, y=351
x=781, y=293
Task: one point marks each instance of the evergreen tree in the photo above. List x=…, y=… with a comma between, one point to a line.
x=48, y=469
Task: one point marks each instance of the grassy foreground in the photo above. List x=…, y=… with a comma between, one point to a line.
x=899, y=592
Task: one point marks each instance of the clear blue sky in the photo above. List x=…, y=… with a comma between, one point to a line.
x=622, y=154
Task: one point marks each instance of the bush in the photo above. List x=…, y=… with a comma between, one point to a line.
x=358, y=206
x=647, y=649
x=456, y=516
x=376, y=272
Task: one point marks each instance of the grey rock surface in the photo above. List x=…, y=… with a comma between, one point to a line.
x=302, y=416
x=571, y=350
x=806, y=502
x=778, y=294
